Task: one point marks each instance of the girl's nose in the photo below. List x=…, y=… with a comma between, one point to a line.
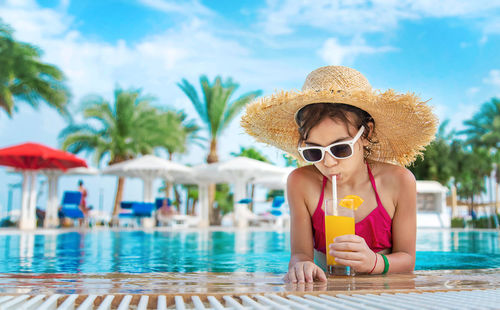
x=329, y=160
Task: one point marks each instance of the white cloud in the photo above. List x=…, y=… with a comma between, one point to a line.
x=455, y=114
x=188, y=8
x=155, y=63
x=368, y=16
x=334, y=53
x=472, y=91
x=493, y=78
x=32, y=23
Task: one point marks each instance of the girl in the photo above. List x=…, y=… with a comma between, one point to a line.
x=363, y=138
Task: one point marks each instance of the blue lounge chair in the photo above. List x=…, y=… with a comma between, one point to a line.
x=245, y=201
x=70, y=205
x=143, y=209
x=126, y=216
x=132, y=212
x=278, y=201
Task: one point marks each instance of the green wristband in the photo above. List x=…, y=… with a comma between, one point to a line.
x=386, y=264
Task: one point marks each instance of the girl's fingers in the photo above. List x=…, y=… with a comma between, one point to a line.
x=320, y=274
x=291, y=275
x=305, y=273
x=357, y=256
x=348, y=238
x=308, y=272
x=345, y=262
x=346, y=246
x=286, y=278
x=299, y=272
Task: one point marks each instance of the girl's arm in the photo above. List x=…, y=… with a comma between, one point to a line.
x=404, y=225
x=301, y=267
x=352, y=250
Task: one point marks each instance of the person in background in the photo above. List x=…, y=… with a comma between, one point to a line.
x=83, y=201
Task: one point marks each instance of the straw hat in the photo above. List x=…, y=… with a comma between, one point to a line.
x=404, y=124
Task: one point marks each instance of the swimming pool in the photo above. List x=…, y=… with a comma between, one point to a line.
x=106, y=251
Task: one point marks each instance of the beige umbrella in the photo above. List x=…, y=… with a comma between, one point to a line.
x=238, y=171
x=148, y=168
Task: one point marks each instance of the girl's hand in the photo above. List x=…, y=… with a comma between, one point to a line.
x=305, y=271
x=352, y=250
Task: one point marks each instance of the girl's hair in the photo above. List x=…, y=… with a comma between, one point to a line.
x=310, y=115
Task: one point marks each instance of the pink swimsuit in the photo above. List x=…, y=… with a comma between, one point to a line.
x=375, y=228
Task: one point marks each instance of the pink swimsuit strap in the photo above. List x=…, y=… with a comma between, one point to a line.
x=375, y=228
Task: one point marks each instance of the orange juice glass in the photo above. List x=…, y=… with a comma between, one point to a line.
x=339, y=221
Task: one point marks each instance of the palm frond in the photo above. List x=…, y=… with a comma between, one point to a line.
x=236, y=107
x=190, y=91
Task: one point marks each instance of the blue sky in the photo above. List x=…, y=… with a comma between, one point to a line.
x=446, y=51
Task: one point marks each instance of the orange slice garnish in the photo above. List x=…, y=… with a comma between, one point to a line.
x=351, y=201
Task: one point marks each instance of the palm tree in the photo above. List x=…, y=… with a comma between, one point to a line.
x=121, y=130
x=181, y=132
x=435, y=163
x=474, y=164
x=216, y=111
x=174, y=133
x=484, y=131
x=484, y=127
x=25, y=78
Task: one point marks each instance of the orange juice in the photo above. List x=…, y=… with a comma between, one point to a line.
x=336, y=226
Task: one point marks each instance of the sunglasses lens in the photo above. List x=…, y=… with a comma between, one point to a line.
x=341, y=150
x=312, y=154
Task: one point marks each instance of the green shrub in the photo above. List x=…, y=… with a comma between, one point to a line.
x=457, y=222
x=483, y=222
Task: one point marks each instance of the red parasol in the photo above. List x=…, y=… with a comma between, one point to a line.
x=31, y=157
x=34, y=156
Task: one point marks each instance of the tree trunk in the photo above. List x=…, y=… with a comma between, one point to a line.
x=213, y=214
x=497, y=188
x=497, y=198
x=212, y=156
x=119, y=189
x=252, y=190
x=168, y=185
x=168, y=189
x=119, y=195
x=178, y=199
x=471, y=206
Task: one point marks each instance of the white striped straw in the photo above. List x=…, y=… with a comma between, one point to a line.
x=334, y=194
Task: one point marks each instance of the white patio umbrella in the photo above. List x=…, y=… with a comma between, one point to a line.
x=148, y=168
x=238, y=171
x=273, y=182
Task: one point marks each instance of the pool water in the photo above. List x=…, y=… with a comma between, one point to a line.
x=212, y=251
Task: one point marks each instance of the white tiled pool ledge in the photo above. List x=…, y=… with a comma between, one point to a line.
x=454, y=299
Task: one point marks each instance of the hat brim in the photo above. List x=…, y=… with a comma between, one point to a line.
x=404, y=124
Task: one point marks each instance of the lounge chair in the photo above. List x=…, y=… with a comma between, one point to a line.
x=180, y=221
x=171, y=218
x=133, y=213
x=276, y=206
x=276, y=217
x=126, y=216
x=70, y=206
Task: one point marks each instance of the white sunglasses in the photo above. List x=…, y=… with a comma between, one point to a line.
x=339, y=150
